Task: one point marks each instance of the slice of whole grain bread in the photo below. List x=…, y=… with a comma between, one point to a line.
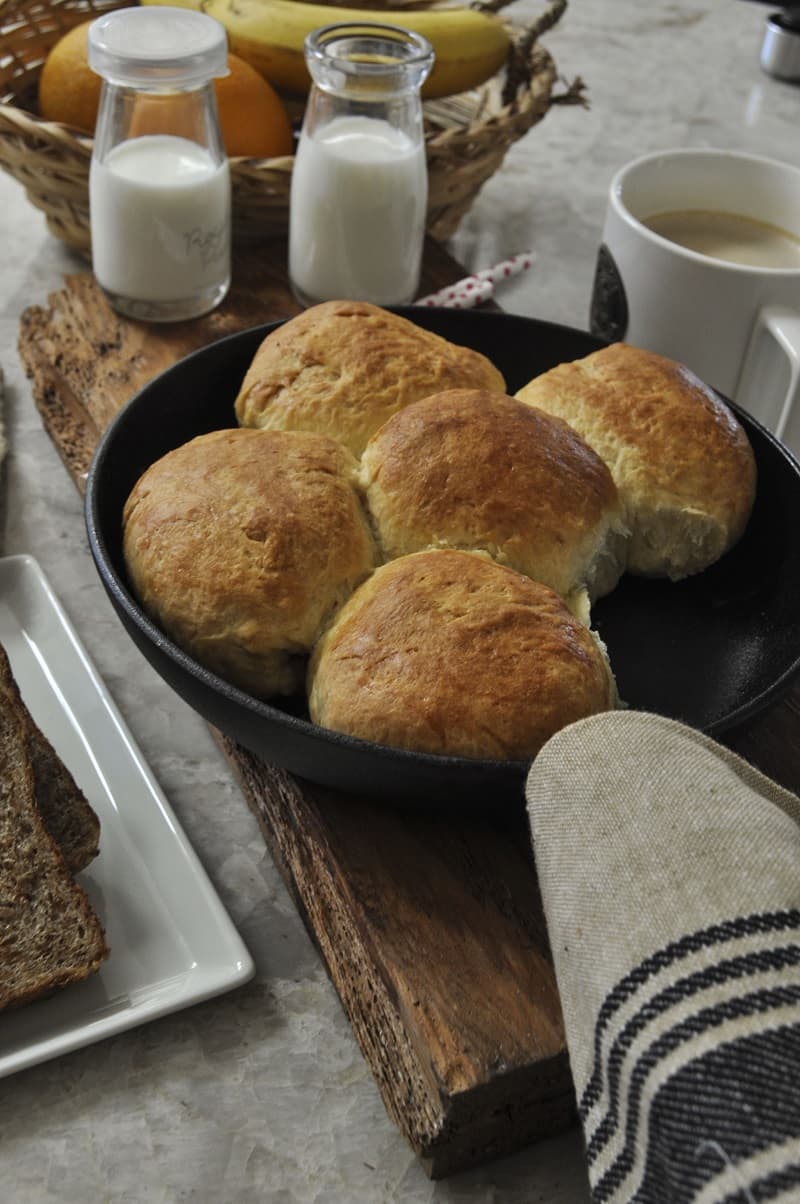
x=62, y=805
x=50, y=935
x=67, y=814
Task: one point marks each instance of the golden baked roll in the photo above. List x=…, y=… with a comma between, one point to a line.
x=343, y=367
x=478, y=470
x=241, y=544
x=449, y=652
x=682, y=463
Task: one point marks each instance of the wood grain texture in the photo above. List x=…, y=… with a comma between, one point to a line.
x=85, y=361
x=433, y=935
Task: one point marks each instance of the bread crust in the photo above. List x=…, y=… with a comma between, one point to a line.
x=682, y=463
x=50, y=935
x=343, y=367
x=473, y=469
x=66, y=812
x=241, y=544
x=448, y=652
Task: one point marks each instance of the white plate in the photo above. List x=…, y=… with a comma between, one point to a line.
x=172, y=942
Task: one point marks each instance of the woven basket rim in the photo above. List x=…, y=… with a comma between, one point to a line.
x=466, y=136
x=540, y=80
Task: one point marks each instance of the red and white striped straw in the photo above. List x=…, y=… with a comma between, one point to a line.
x=479, y=286
x=461, y=295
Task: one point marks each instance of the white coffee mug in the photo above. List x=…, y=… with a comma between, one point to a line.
x=735, y=324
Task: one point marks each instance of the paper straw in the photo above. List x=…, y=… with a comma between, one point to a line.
x=461, y=295
x=507, y=269
x=479, y=286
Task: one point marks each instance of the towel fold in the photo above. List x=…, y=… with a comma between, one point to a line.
x=670, y=877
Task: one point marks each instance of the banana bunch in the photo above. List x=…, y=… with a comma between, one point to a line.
x=470, y=46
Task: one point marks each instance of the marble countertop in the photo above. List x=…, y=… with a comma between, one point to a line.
x=262, y=1094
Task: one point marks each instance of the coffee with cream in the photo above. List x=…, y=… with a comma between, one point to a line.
x=728, y=236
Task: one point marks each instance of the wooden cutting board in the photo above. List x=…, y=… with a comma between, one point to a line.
x=431, y=927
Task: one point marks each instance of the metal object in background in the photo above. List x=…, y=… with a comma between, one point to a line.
x=780, y=50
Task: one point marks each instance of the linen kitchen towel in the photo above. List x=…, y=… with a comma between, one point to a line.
x=670, y=877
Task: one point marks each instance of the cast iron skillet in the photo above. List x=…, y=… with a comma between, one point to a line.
x=713, y=650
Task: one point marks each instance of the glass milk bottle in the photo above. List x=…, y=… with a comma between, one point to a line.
x=159, y=187
x=359, y=183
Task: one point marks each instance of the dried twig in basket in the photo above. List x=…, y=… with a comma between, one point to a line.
x=517, y=67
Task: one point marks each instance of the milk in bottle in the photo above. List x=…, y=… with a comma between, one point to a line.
x=159, y=188
x=359, y=183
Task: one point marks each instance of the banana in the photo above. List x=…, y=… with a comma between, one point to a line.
x=470, y=46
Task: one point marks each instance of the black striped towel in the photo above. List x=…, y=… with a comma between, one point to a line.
x=670, y=876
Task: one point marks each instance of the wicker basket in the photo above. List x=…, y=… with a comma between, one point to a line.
x=467, y=136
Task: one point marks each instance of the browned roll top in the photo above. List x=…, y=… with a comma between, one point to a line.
x=449, y=652
x=682, y=463
x=342, y=368
x=473, y=469
x=242, y=543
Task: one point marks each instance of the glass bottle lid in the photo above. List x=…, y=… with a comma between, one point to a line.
x=367, y=56
x=158, y=47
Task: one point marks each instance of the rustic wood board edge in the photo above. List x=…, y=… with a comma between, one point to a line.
x=449, y=1131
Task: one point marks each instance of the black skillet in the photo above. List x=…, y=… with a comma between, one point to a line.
x=713, y=650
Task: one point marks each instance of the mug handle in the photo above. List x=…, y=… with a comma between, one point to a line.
x=769, y=383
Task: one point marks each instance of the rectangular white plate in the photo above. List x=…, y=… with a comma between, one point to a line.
x=172, y=942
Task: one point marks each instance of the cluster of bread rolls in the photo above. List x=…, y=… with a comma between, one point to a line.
x=392, y=533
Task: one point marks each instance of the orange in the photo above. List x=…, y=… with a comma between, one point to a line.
x=69, y=91
x=252, y=117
